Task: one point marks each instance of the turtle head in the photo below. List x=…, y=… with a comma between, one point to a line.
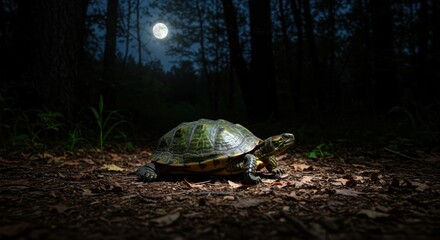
x=277, y=144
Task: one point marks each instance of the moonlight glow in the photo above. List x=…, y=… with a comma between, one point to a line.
x=160, y=30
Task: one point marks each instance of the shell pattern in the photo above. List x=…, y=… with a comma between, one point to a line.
x=204, y=141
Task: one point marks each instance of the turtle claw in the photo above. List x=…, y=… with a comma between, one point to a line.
x=251, y=179
x=278, y=171
x=147, y=173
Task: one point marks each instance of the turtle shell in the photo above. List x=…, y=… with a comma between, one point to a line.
x=207, y=144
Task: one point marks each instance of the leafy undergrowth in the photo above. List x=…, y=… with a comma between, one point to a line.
x=353, y=194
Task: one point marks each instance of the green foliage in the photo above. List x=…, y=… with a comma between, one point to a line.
x=400, y=143
x=49, y=122
x=74, y=137
x=107, y=123
x=321, y=151
x=41, y=129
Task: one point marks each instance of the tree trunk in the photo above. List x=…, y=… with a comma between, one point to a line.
x=332, y=81
x=423, y=88
x=313, y=53
x=435, y=49
x=50, y=44
x=262, y=65
x=297, y=83
x=84, y=87
x=386, y=90
x=2, y=25
x=289, y=59
x=127, y=33
x=138, y=31
x=236, y=53
x=365, y=90
x=204, y=62
x=110, y=50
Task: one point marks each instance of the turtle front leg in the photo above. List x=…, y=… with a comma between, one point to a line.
x=250, y=169
x=147, y=173
x=272, y=166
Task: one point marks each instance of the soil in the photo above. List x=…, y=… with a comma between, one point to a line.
x=358, y=193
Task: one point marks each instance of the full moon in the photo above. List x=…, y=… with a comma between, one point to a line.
x=160, y=30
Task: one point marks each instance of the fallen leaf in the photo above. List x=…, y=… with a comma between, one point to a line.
x=234, y=185
x=300, y=166
x=358, y=178
x=116, y=187
x=193, y=185
x=420, y=186
x=229, y=198
x=268, y=181
x=372, y=214
x=112, y=167
x=114, y=156
x=89, y=161
x=294, y=196
x=383, y=208
x=166, y=220
x=432, y=158
x=248, y=202
x=69, y=163
x=306, y=179
x=60, y=208
x=348, y=192
x=88, y=192
x=341, y=181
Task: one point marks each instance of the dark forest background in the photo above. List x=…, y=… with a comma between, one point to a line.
x=349, y=67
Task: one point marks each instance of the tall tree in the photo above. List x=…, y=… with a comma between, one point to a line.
x=313, y=52
x=422, y=55
x=296, y=84
x=50, y=43
x=288, y=53
x=435, y=48
x=386, y=90
x=332, y=81
x=127, y=31
x=2, y=24
x=110, y=48
x=262, y=65
x=200, y=7
x=236, y=54
x=138, y=31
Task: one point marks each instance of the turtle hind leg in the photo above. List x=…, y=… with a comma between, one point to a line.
x=147, y=173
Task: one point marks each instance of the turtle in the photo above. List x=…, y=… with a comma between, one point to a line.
x=215, y=147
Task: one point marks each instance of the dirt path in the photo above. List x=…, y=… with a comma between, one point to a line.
x=369, y=194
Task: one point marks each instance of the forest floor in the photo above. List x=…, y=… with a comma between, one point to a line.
x=358, y=193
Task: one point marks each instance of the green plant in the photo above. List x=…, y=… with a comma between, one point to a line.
x=23, y=131
x=74, y=136
x=320, y=151
x=106, y=123
x=400, y=143
x=48, y=122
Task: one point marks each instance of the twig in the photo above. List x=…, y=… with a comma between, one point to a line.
x=402, y=155
x=215, y=193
